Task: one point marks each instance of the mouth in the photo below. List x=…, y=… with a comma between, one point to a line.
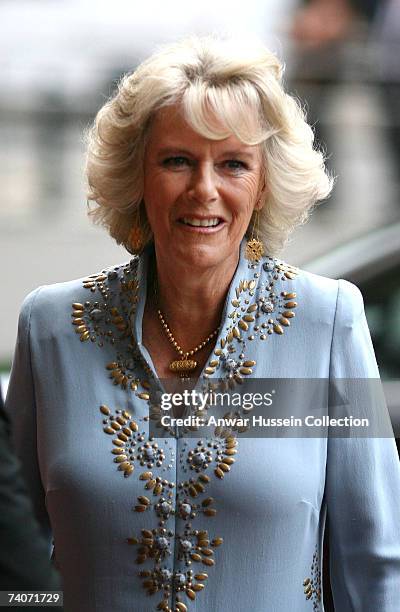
x=202, y=224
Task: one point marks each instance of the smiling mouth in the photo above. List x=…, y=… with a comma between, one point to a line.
x=193, y=222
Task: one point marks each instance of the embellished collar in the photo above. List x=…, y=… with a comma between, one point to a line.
x=256, y=307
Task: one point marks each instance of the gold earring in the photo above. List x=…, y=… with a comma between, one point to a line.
x=136, y=239
x=254, y=247
x=136, y=235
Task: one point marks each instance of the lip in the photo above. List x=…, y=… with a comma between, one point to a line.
x=202, y=230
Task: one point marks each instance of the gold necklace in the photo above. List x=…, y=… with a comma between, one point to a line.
x=183, y=365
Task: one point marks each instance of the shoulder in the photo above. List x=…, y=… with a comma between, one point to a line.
x=48, y=305
x=318, y=297
x=322, y=292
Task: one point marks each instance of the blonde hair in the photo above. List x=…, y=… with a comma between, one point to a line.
x=237, y=83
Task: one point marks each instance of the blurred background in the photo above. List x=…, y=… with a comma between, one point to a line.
x=61, y=60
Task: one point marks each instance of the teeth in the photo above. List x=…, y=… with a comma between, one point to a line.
x=202, y=223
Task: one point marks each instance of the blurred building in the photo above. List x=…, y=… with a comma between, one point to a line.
x=60, y=61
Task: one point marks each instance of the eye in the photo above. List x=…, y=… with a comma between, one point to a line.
x=177, y=161
x=235, y=165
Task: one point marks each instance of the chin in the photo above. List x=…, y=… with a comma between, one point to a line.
x=202, y=256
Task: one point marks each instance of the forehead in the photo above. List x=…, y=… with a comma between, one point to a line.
x=170, y=129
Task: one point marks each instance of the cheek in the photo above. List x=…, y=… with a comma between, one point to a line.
x=162, y=188
x=243, y=196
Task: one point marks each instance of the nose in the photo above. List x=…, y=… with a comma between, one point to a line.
x=203, y=184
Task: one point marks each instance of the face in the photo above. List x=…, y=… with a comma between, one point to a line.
x=199, y=193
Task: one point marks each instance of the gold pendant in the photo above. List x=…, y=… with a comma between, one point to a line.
x=183, y=365
x=254, y=249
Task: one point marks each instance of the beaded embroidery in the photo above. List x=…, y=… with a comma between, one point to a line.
x=190, y=500
x=131, y=445
x=312, y=585
x=258, y=312
x=254, y=316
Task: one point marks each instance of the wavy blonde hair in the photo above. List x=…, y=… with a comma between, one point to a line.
x=237, y=83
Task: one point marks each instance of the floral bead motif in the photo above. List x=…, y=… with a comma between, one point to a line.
x=131, y=446
x=218, y=451
x=259, y=311
x=126, y=437
x=312, y=584
x=193, y=547
x=106, y=320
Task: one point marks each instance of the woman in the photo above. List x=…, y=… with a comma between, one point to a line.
x=199, y=163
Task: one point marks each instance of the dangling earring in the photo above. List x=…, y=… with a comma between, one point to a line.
x=254, y=247
x=136, y=235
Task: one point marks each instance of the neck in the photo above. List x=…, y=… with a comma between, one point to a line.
x=192, y=302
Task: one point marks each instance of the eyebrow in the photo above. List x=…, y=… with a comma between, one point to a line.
x=240, y=153
x=173, y=151
x=231, y=153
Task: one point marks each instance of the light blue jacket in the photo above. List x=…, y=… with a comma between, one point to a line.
x=246, y=536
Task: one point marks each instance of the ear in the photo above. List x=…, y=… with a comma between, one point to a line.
x=261, y=197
